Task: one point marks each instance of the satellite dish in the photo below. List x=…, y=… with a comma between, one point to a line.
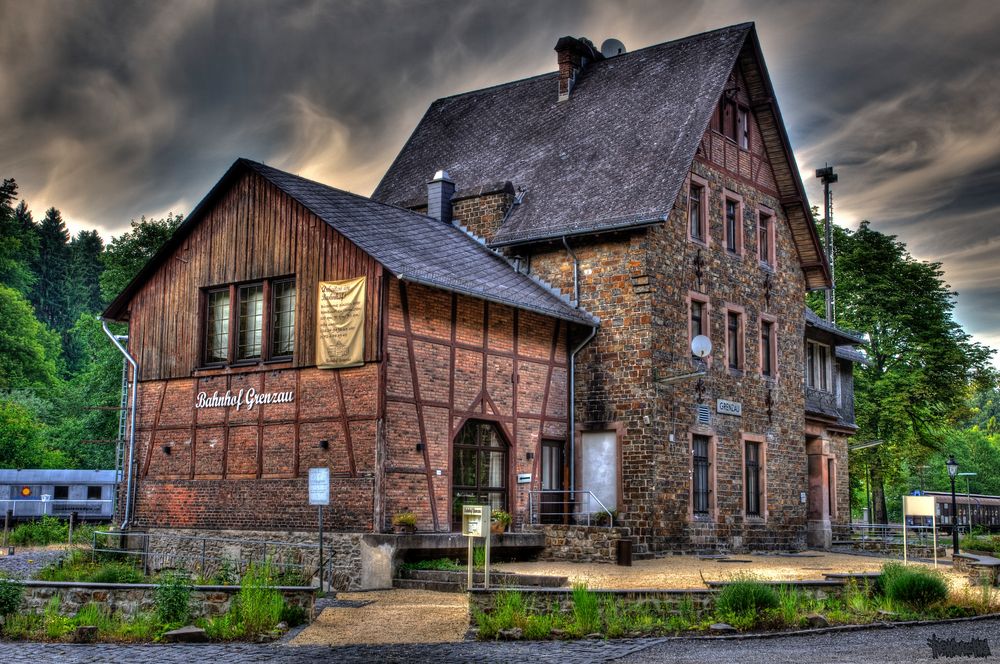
x=701, y=346
x=612, y=47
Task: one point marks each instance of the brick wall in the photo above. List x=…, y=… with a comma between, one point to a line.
x=240, y=468
x=495, y=364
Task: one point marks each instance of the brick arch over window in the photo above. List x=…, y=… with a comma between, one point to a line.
x=480, y=467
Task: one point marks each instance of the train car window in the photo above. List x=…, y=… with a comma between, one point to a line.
x=93, y=493
x=60, y=493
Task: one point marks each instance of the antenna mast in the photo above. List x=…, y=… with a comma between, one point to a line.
x=828, y=177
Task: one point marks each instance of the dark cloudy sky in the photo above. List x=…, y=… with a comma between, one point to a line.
x=112, y=110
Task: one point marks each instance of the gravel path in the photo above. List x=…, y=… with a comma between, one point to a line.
x=389, y=616
x=688, y=571
x=26, y=562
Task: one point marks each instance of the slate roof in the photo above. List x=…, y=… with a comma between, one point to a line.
x=412, y=246
x=840, y=334
x=613, y=155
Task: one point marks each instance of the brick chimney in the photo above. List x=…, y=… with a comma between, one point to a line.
x=573, y=55
x=439, y=192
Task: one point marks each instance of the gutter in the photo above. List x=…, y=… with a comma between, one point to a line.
x=131, y=429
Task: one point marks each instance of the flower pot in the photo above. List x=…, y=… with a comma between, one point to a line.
x=497, y=527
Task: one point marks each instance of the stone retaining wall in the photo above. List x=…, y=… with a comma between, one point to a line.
x=583, y=544
x=895, y=548
x=356, y=561
x=543, y=599
x=980, y=569
x=133, y=598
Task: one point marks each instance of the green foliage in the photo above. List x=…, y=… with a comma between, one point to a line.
x=173, y=599
x=78, y=566
x=130, y=251
x=293, y=615
x=18, y=626
x=405, y=520
x=917, y=588
x=225, y=627
x=18, y=242
x=984, y=543
x=55, y=624
x=41, y=532
x=29, y=351
x=226, y=574
x=744, y=602
x=500, y=516
x=586, y=612
x=442, y=564
x=10, y=596
x=260, y=606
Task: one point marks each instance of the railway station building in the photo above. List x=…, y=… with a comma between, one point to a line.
x=510, y=316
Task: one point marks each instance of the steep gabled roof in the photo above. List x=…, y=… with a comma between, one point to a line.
x=612, y=156
x=413, y=247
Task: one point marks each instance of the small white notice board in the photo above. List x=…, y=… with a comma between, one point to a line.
x=920, y=506
x=319, y=486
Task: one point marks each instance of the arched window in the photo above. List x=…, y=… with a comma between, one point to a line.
x=479, y=468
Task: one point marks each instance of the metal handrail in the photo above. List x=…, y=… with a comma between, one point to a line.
x=576, y=512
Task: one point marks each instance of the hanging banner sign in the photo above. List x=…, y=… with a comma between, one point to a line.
x=340, y=324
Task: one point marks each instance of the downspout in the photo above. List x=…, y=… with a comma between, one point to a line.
x=572, y=407
x=576, y=273
x=572, y=369
x=131, y=429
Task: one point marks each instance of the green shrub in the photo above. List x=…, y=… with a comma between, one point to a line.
x=173, y=599
x=116, y=573
x=293, y=615
x=226, y=574
x=586, y=612
x=745, y=601
x=22, y=625
x=55, y=625
x=260, y=606
x=443, y=564
x=47, y=530
x=224, y=627
x=96, y=615
x=10, y=596
x=917, y=588
x=141, y=627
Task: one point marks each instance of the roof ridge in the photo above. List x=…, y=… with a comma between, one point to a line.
x=746, y=25
x=254, y=164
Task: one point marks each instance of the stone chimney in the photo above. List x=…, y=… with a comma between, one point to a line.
x=573, y=55
x=439, y=192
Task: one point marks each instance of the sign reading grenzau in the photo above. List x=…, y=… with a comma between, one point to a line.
x=340, y=324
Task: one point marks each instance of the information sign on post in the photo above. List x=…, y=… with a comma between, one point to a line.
x=476, y=523
x=319, y=495
x=920, y=506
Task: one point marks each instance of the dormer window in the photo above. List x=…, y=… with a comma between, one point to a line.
x=818, y=367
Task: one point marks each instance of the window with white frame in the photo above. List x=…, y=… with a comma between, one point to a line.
x=818, y=366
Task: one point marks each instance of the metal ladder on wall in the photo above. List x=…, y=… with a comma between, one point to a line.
x=123, y=408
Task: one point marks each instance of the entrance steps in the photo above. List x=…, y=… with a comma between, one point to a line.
x=445, y=581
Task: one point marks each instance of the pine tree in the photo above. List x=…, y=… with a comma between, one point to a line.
x=50, y=296
x=17, y=246
x=85, y=272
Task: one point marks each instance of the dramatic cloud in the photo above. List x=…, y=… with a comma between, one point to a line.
x=111, y=110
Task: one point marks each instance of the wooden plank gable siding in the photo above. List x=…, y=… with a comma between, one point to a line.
x=254, y=231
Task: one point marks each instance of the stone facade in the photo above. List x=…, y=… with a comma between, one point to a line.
x=131, y=599
x=581, y=544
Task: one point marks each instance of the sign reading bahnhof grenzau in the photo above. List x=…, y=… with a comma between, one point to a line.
x=248, y=397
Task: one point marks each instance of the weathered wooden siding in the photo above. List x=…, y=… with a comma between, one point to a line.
x=253, y=231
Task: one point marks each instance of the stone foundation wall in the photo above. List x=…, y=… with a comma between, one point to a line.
x=583, y=544
x=356, y=561
x=133, y=598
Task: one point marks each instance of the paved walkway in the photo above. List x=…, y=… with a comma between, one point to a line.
x=907, y=645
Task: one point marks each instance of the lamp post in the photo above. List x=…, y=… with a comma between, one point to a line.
x=952, y=472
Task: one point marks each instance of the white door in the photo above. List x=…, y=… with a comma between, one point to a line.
x=599, y=469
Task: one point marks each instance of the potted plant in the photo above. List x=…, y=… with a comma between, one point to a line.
x=499, y=521
x=404, y=522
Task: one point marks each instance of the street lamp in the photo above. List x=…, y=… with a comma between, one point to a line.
x=952, y=472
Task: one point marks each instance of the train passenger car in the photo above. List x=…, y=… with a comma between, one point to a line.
x=30, y=494
x=975, y=510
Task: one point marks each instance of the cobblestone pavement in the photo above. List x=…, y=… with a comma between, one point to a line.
x=26, y=562
x=899, y=644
